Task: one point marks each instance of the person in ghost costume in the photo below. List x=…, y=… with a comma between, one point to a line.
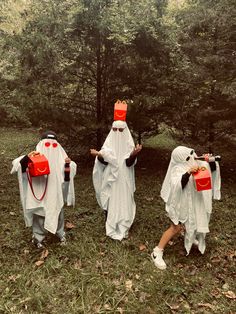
x=46, y=214
x=184, y=204
x=114, y=181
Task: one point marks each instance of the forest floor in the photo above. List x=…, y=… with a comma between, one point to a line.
x=94, y=274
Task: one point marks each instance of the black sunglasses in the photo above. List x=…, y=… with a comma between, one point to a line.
x=120, y=129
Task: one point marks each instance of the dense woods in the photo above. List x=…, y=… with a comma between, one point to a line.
x=64, y=63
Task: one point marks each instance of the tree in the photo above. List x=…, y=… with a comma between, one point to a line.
x=204, y=76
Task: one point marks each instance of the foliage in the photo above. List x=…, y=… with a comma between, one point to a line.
x=64, y=64
x=206, y=75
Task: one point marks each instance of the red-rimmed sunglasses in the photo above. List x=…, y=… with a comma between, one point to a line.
x=119, y=129
x=47, y=144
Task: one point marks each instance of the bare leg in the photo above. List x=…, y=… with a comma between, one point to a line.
x=168, y=235
x=157, y=254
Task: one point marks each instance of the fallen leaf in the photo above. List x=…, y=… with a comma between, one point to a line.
x=128, y=285
x=44, y=255
x=215, y=259
x=78, y=264
x=25, y=300
x=173, y=306
x=14, y=277
x=69, y=225
x=99, y=264
x=225, y=286
x=220, y=276
x=39, y=263
x=107, y=306
x=97, y=308
x=216, y=293
x=143, y=296
x=208, y=305
x=231, y=255
x=186, y=306
x=142, y=247
x=116, y=282
x=229, y=294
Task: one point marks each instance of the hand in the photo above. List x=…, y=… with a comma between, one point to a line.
x=207, y=157
x=33, y=153
x=136, y=150
x=193, y=170
x=67, y=160
x=94, y=152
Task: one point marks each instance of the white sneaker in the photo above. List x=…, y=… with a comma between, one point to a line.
x=157, y=258
x=63, y=241
x=39, y=245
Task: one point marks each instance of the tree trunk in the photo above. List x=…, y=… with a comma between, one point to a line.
x=99, y=91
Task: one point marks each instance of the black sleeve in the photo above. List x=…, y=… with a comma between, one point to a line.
x=130, y=161
x=184, y=179
x=212, y=166
x=101, y=159
x=67, y=173
x=24, y=163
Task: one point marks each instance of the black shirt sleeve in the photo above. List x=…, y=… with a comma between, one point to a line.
x=184, y=179
x=212, y=166
x=67, y=173
x=130, y=161
x=101, y=159
x=24, y=163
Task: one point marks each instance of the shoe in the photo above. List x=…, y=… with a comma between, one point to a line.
x=63, y=240
x=39, y=245
x=157, y=258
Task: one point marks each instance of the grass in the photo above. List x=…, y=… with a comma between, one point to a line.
x=162, y=140
x=94, y=274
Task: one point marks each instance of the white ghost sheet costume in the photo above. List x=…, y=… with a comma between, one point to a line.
x=187, y=205
x=53, y=202
x=115, y=183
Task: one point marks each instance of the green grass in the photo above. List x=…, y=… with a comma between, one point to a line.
x=162, y=141
x=94, y=274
